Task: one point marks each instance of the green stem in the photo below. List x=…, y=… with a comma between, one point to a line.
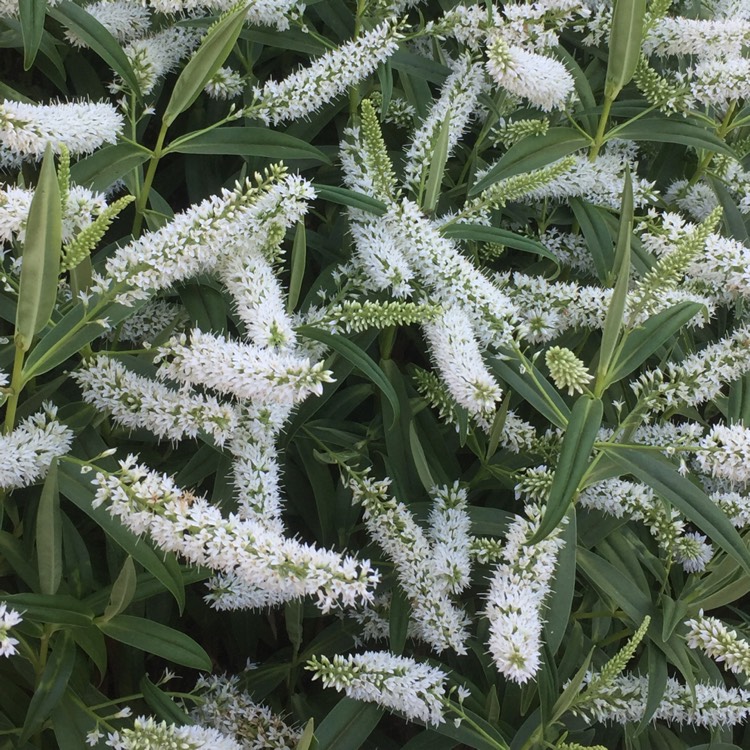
x=602, y=129
x=721, y=132
x=16, y=386
x=142, y=201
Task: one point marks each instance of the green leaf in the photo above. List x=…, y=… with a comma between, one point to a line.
x=155, y=638
x=96, y=36
x=616, y=310
x=640, y=343
x=162, y=705
x=571, y=690
x=298, y=262
x=495, y=235
x=246, y=141
x=210, y=56
x=107, y=165
x=667, y=130
x=625, y=40
x=307, y=740
x=41, y=256
x=49, y=534
x=123, y=590
x=619, y=588
x=563, y=587
x=419, y=66
x=51, y=686
x=420, y=459
x=57, y=609
x=662, y=476
x=398, y=622
x=533, y=387
x=346, y=197
x=348, y=725
x=80, y=492
x=32, y=13
x=657, y=685
x=583, y=427
x=530, y=153
x=592, y=221
x=352, y=353
x=437, y=164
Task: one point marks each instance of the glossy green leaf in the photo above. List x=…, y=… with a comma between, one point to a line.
x=203, y=64
x=348, y=725
x=625, y=38
x=529, y=383
x=52, y=684
x=307, y=740
x=100, y=170
x=662, y=476
x=123, y=590
x=438, y=160
x=163, y=707
x=346, y=197
x=664, y=130
x=398, y=621
x=642, y=342
x=58, y=609
x=95, y=36
x=361, y=361
x=616, y=309
x=657, y=685
x=41, y=256
x=592, y=220
x=298, y=263
x=31, y=13
x=563, y=587
x=533, y=152
x=155, y=638
x=49, y=534
x=578, y=443
x=420, y=459
x=498, y=236
x=246, y=141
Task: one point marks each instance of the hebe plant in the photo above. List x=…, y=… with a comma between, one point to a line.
x=374, y=374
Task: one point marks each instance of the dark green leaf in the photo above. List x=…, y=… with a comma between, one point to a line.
x=246, y=141
x=155, y=638
x=495, y=235
x=668, y=130
x=107, y=165
x=162, y=705
x=49, y=534
x=346, y=197
x=348, y=725
x=32, y=14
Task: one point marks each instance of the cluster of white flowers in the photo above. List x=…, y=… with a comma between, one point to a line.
x=9, y=618
x=457, y=100
x=226, y=83
x=725, y=453
x=518, y=588
x=124, y=19
x=137, y=402
x=395, y=682
x=716, y=640
x=638, y=502
x=230, y=710
x=150, y=321
x=257, y=567
x=147, y=732
x=81, y=127
x=458, y=358
x=542, y=80
x=425, y=571
x=262, y=12
x=703, y=705
x=31, y=447
x=330, y=75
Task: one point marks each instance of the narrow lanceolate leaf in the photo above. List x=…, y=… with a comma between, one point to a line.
x=96, y=37
x=299, y=260
x=49, y=535
x=155, y=638
x=643, y=341
x=348, y=725
x=41, y=256
x=51, y=686
x=533, y=152
x=307, y=741
x=437, y=165
x=212, y=53
x=625, y=40
x=123, y=590
x=616, y=311
x=584, y=424
x=662, y=476
x=32, y=14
